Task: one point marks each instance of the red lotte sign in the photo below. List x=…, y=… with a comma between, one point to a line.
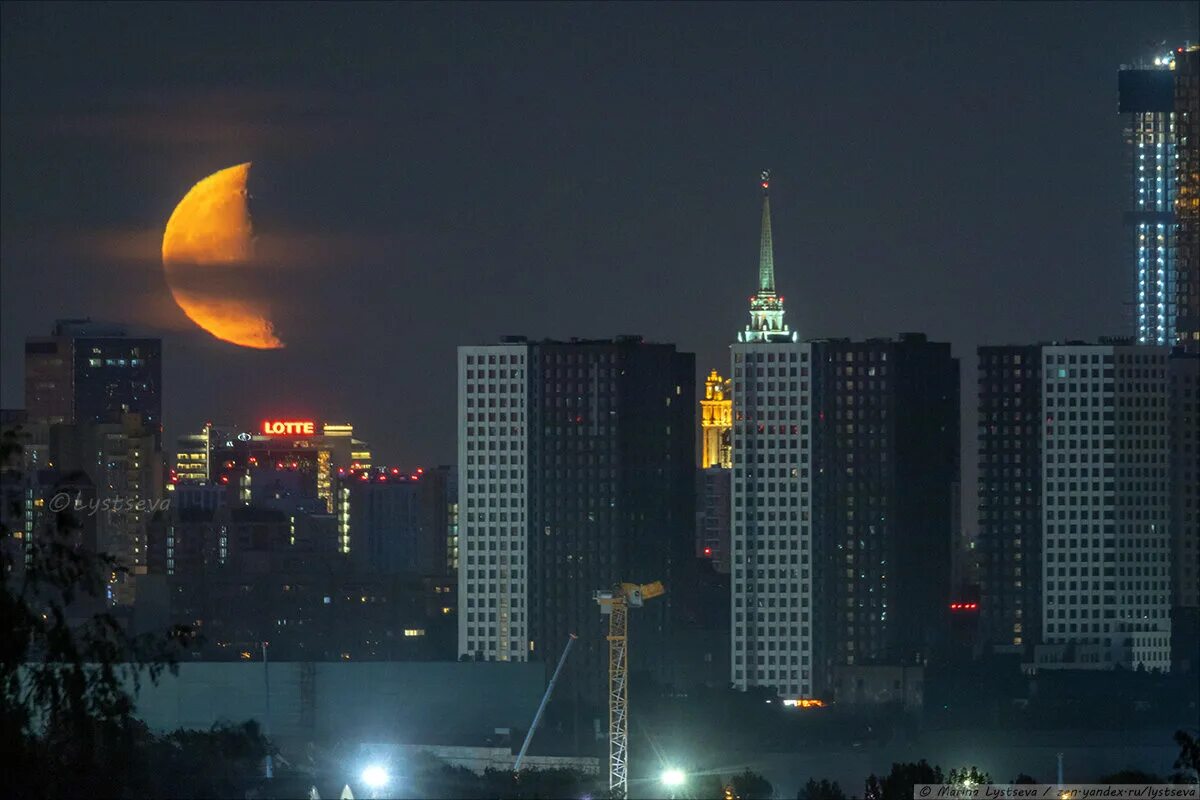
x=293, y=427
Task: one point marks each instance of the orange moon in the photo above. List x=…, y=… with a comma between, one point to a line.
x=207, y=249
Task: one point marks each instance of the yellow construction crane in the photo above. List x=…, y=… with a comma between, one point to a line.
x=615, y=604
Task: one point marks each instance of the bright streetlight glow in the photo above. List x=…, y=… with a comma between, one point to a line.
x=672, y=777
x=376, y=776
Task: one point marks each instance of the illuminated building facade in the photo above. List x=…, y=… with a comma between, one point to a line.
x=1106, y=544
x=87, y=372
x=771, y=545
x=1010, y=499
x=1158, y=107
x=716, y=462
x=494, y=496
x=284, y=464
x=576, y=471
x=845, y=469
x=716, y=423
x=1187, y=198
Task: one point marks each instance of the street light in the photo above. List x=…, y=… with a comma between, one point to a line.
x=672, y=779
x=376, y=777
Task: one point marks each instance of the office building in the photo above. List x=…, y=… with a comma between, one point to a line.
x=91, y=373
x=1010, y=498
x=1106, y=571
x=290, y=465
x=576, y=471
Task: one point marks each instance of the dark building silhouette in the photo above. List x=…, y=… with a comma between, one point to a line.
x=885, y=456
x=395, y=521
x=1183, y=380
x=91, y=373
x=1010, y=494
x=245, y=575
x=1187, y=198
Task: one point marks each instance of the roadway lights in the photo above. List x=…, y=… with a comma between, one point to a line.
x=673, y=777
x=376, y=777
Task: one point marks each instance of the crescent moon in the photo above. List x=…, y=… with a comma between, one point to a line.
x=207, y=247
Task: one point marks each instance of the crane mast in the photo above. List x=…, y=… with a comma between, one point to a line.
x=615, y=604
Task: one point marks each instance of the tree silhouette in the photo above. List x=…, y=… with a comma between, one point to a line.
x=68, y=669
x=823, y=790
x=749, y=785
x=899, y=783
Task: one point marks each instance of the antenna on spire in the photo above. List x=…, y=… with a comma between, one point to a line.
x=766, y=180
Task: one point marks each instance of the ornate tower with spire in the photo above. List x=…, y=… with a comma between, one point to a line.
x=766, y=307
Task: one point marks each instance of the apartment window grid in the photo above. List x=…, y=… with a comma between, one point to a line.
x=1105, y=490
x=1009, y=493
x=772, y=539
x=493, y=502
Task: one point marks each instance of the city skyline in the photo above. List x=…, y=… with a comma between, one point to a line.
x=600, y=400
x=860, y=281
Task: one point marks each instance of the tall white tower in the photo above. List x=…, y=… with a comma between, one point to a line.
x=771, y=541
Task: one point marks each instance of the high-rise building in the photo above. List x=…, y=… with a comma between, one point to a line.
x=87, y=372
x=713, y=520
x=440, y=510
x=1010, y=498
x=1184, y=388
x=716, y=423
x=289, y=465
x=395, y=521
x=125, y=463
x=716, y=463
x=1158, y=107
x=576, y=470
x=845, y=467
x=192, y=452
x=1106, y=570
x=771, y=545
x=1187, y=198
x=885, y=460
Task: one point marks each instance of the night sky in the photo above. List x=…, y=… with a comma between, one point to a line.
x=441, y=175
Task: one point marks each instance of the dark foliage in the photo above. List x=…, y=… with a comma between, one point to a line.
x=899, y=783
x=69, y=673
x=1188, y=762
x=1130, y=776
x=823, y=790
x=749, y=785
